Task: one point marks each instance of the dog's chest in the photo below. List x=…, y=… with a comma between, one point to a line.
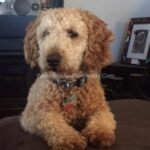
x=75, y=103
x=79, y=103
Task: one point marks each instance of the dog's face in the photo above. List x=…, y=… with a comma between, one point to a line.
x=67, y=40
x=62, y=40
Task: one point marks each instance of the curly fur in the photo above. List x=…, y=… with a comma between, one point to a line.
x=98, y=54
x=44, y=114
x=31, y=46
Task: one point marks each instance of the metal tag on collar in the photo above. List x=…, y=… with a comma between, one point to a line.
x=69, y=102
x=67, y=85
x=81, y=81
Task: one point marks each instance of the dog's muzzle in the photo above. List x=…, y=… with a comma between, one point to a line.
x=53, y=61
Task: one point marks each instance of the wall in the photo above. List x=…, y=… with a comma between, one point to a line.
x=116, y=13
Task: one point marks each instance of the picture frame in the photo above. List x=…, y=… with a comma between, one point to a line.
x=136, y=48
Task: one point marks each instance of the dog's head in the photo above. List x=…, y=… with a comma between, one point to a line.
x=67, y=40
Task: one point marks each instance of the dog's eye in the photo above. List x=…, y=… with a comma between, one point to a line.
x=72, y=34
x=45, y=33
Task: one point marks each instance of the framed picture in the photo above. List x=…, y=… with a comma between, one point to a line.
x=137, y=44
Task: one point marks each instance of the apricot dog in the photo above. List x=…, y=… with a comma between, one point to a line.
x=69, y=46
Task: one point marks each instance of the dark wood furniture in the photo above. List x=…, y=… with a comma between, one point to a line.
x=14, y=73
x=126, y=81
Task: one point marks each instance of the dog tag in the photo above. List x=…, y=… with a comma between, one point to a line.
x=69, y=102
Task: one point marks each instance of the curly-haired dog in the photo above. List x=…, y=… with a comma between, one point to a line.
x=68, y=41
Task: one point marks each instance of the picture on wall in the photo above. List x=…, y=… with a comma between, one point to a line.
x=140, y=42
x=137, y=44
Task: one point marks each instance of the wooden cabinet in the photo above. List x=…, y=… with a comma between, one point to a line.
x=126, y=81
x=14, y=73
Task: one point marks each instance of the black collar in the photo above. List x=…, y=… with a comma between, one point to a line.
x=69, y=83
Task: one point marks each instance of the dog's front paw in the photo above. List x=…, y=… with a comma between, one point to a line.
x=72, y=142
x=100, y=139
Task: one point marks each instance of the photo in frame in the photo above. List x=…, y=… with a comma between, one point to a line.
x=137, y=43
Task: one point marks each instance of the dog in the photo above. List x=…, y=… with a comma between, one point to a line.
x=66, y=105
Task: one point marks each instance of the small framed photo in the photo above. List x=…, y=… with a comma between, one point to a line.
x=137, y=44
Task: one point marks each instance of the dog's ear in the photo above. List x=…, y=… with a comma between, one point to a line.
x=31, y=45
x=98, y=54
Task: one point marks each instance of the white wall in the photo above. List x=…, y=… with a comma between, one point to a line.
x=116, y=13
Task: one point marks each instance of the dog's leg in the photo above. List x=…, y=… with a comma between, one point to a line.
x=100, y=128
x=51, y=125
x=59, y=134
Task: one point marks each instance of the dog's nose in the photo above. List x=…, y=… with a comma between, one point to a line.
x=53, y=60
